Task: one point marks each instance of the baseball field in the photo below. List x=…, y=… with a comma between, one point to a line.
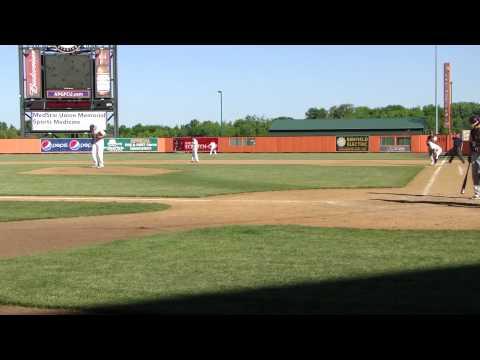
x=238, y=234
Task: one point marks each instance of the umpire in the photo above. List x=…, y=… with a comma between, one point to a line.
x=475, y=159
x=456, y=150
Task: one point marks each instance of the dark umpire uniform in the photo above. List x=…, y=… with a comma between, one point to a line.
x=475, y=156
x=456, y=150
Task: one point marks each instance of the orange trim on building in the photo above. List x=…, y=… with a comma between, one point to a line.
x=165, y=144
x=20, y=146
x=419, y=144
x=374, y=143
x=279, y=144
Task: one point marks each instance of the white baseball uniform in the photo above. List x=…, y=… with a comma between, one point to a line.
x=97, y=148
x=213, y=148
x=436, y=151
x=195, y=150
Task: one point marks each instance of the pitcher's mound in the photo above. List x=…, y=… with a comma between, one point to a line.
x=108, y=170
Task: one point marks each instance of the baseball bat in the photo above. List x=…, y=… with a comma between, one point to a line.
x=464, y=185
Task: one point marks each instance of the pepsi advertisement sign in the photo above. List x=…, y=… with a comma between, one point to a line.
x=66, y=145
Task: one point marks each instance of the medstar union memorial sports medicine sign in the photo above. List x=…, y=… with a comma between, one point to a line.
x=68, y=120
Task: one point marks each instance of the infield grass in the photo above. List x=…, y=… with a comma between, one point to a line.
x=257, y=269
x=30, y=210
x=203, y=180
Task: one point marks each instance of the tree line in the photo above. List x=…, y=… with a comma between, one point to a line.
x=252, y=125
x=8, y=132
x=461, y=112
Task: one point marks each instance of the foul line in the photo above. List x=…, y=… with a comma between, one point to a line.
x=432, y=179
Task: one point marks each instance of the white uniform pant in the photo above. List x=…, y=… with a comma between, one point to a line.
x=213, y=151
x=435, y=154
x=97, y=153
x=195, y=155
x=476, y=172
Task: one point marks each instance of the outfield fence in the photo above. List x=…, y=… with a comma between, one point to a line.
x=237, y=144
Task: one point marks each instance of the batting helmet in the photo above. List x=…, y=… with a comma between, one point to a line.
x=474, y=120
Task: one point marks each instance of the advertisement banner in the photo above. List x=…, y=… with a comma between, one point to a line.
x=447, y=104
x=352, y=143
x=131, y=145
x=66, y=145
x=59, y=121
x=394, y=148
x=185, y=144
x=102, y=74
x=33, y=74
x=68, y=94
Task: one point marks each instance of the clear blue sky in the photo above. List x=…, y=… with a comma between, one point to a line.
x=171, y=85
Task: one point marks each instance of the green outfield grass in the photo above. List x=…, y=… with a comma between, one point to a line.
x=29, y=210
x=224, y=156
x=205, y=180
x=257, y=269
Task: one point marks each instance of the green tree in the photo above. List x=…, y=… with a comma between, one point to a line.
x=362, y=112
x=316, y=113
x=8, y=132
x=341, y=111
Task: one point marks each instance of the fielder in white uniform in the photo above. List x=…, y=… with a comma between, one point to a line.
x=97, y=146
x=194, y=150
x=213, y=148
x=436, y=150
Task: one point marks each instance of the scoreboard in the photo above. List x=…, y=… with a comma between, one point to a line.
x=68, y=72
x=58, y=79
x=67, y=76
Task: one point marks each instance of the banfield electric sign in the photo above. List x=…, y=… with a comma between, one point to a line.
x=66, y=145
x=68, y=120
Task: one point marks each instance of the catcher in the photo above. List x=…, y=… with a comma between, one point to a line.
x=434, y=149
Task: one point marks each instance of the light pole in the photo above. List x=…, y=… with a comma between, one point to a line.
x=436, y=107
x=221, y=112
x=451, y=109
